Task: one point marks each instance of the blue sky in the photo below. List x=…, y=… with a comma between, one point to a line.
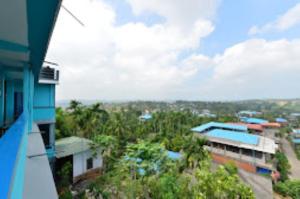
x=232, y=21
x=173, y=49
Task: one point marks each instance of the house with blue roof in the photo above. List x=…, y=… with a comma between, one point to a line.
x=252, y=120
x=247, y=113
x=27, y=99
x=145, y=117
x=295, y=136
x=230, y=142
x=218, y=125
x=281, y=120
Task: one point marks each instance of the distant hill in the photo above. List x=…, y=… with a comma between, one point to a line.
x=280, y=106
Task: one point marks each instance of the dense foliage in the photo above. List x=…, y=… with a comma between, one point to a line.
x=289, y=188
x=283, y=165
x=135, y=158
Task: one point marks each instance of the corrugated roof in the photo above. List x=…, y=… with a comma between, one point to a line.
x=174, y=155
x=271, y=125
x=296, y=141
x=253, y=120
x=281, y=120
x=234, y=136
x=216, y=125
x=256, y=127
x=71, y=145
x=296, y=130
x=146, y=116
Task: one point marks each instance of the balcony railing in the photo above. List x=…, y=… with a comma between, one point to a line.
x=49, y=75
x=13, y=146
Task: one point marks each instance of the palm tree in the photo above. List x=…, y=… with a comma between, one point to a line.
x=195, y=151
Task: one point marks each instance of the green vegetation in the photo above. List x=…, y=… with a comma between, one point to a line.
x=297, y=150
x=135, y=158
x=283, y=165
x=289, y=188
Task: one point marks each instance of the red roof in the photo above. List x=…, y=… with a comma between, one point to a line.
x=256, y=127
x=271, y=125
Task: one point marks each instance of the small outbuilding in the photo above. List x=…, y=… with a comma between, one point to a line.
x=77, y=151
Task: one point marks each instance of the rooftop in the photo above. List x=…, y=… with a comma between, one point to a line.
x=210, y=125
x=256, y=127
x=234, y=136
x=271, y=124
x=71, y=145
x=252, y=120
x=146, y=116
x=280, y=120
x=296, y=141
x=174, y=155
x=296, y=131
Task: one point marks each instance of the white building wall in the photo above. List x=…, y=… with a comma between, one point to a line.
x=79, y=162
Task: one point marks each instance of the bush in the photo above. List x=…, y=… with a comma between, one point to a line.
x=289, y=188
x=283, y=165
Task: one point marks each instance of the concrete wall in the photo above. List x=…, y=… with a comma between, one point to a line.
x=79, y=163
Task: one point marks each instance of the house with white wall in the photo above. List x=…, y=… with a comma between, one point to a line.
x=85, y=163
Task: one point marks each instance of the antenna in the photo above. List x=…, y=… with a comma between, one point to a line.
x=74, y=17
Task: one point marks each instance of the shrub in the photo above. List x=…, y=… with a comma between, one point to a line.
x=289, y=188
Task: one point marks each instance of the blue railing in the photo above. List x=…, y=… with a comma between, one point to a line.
x=13, y=147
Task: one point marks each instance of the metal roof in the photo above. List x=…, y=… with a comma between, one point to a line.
x=71, y=145
x=281, y=120
x=256, y=127
x=296, y=130
x=253, y=120
x=174, y=155
x=217, y=125
x=146, y=116
x=234, y=136
x=296, y=141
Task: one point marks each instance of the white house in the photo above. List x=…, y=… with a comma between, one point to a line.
x=78, y=152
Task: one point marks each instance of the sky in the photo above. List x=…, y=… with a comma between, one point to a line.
x=174, y=49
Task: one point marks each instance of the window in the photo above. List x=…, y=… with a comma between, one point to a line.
x=89, y=163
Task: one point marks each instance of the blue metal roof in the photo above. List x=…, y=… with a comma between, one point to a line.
x=281, y=120
x=296, y=141
x=248, y=112
x=174, y=155
x=216, y=125
x=253, y=120
x=234, y=136
x=296, y=130
x=146, y=116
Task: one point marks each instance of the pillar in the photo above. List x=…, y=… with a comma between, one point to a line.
x=28, y=88
x=1, y=97
x=10, y=90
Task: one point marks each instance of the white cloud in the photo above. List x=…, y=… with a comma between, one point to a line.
x=131, y=61
x=284, y=22
x=255, y=69
x=183, y=13
x=136, y=61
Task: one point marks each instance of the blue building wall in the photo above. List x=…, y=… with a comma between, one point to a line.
x=44, y=103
